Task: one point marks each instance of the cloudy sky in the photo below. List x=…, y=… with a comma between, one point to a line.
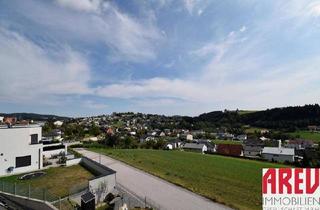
x=86, y=57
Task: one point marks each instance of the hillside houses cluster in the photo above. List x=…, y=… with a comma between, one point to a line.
x=146, y=128
x=289, y=151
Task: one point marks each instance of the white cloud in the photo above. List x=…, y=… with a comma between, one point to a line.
x=190, y=4
x=243, y=29
x=314, y=9
x=218, y=49
x=31, y=74
x=274, y=88
x=94, y=105
x=126, y=38
x=81, y=5
x=195, y=6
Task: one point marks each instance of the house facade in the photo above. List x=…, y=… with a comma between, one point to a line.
x=278, y=154
x=253, y=148
x=229, y=149
x=20, y=150
x=194, y=147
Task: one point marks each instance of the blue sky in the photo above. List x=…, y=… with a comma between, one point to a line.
x=87, y=57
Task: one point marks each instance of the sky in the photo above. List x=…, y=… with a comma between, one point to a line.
x=172, y=57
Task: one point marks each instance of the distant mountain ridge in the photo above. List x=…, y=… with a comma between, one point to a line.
x=34, y=116
x=286, y=117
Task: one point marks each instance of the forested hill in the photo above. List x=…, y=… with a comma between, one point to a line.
x=33, y=116
x=287, y=117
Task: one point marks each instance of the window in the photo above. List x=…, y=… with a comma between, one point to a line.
x=34, y=139
x=23, y=161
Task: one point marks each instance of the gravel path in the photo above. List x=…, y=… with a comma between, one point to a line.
x=163, y=193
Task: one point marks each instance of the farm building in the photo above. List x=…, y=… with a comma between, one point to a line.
x=278, y=154
x=230, y=149
x=195, y=147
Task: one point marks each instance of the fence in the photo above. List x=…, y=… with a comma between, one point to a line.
x=39, y=194
x=133, y=200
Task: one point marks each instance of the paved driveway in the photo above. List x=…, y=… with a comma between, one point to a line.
x=167, y=195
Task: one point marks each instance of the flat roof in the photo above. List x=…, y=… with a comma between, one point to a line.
x=20, y=126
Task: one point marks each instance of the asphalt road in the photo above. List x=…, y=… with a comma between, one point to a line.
x=163, y=193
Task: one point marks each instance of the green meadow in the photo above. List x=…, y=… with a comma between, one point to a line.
x=232, y=181
x=306, y=135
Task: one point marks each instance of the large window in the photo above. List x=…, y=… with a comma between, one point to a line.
x=34, y=139
x=23, y=161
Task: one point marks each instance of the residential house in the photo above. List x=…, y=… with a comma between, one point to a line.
x=299, y=144
x=195, y=147
x=264, y=131
x=110, y=132
x=162, y=134
x=230, y=149
x=20, y=150
x=253, y=148
x=278, y=154
x=262, y=138
x=10, y=120
x=225, y=136
x=174, y=145
x=1, y=119
x=242, y=137
x=314, y=128
x=133, y=133
x=207, y=142
x=58, y=123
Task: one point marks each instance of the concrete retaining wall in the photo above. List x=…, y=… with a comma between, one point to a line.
x=73, y=162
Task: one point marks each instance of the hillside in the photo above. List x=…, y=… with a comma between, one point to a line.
x=283, y=118
x=33, y=116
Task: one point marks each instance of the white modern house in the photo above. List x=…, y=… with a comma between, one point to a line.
x=278, y=154
x=20, y=150
x=58, y=123
x=1, y=119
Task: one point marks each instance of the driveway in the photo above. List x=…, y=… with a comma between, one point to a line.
x=163, y=193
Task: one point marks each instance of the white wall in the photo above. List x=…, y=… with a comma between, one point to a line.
x=50, y=153
x=73, y=162
x=278, y=158
x=16, y=142
x=100, y=187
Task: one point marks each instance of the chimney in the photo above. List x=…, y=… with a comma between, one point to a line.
x=279, y=143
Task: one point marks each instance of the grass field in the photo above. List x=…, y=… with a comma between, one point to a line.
x=254, y=130
x=232, y=181
x=243, y=112
x=306, y=135
x=58, y=181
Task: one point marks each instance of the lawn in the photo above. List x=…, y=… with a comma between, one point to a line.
x=57, y=181
x=306, y=135
x=232, y=181
x=253, y=130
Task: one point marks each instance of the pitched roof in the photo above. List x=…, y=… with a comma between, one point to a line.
x=193, y=146
x=278, y=151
